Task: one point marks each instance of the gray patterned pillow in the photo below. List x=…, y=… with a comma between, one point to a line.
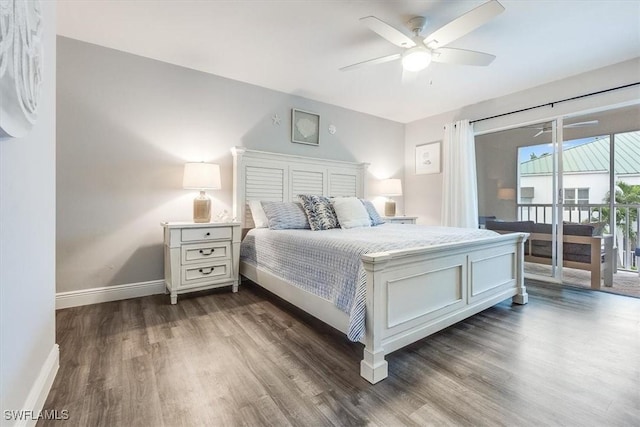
x=373, y=213
x=319, y=212
x=285, y=215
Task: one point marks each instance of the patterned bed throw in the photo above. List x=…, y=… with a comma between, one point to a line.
x=327, y=263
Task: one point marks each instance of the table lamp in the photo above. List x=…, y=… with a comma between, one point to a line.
x=389, y=188
x=201, y=176
x=506, y=193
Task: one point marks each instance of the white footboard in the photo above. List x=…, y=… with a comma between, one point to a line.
x=416, y=292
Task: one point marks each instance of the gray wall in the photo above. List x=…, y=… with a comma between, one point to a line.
x=127, y=124
x=423, y=193
x=27, y=243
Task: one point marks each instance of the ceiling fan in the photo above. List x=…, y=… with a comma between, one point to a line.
x=420, y=51
x=545, y=129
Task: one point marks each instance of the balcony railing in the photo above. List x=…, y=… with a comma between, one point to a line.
x=627, y=224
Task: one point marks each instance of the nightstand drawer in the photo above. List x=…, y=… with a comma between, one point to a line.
x=400, y=219
x=200, y=252
x=201, y=273
x=205, y=233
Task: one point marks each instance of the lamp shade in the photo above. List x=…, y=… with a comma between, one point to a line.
x=506, y=193
x=201, y=176
x=391, y=187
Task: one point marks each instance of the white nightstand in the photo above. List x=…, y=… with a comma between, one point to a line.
x=400, y=219
x=200, y=256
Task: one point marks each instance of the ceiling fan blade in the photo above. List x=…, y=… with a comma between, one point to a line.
x=374, y=61
x=387, y=32
x=581, y=124
x=539, y=133
x=462, y=57
x=464, y=24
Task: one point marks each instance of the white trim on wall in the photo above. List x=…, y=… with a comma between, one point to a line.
x=40, y=390
x=108, y=293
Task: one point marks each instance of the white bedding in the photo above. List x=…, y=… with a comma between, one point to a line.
x=327, y=263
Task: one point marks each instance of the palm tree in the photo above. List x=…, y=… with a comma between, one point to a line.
x=626, y=217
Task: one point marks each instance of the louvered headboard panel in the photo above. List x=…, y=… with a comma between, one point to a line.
x=306, y=182
x=259, y=175
x=342, y=185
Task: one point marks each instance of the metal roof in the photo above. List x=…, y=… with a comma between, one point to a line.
x=592, y=157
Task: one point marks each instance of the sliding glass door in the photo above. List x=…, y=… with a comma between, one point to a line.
x=519, y=186
x=541, y=198
x=560, y=178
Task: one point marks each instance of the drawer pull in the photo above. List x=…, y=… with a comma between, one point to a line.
x=211, y=251
x=207, y=234
x=208, y=272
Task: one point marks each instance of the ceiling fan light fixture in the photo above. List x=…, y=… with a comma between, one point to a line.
x=415, y=59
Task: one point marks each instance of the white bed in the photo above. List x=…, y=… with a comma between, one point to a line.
x=402, y=303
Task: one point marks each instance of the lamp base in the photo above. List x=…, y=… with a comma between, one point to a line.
x=202, y=208
x=390, y=208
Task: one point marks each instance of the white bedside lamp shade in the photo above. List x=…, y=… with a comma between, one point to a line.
x=389, y=188
x=201, y=176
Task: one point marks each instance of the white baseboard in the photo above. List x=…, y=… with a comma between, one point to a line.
x=40, y=389
x=108, y=293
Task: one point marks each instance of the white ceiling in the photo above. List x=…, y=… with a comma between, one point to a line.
x=297, y=46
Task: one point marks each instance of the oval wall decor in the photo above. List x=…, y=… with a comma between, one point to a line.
x=21, y=56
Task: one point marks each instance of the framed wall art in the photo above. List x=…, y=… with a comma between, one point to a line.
x=428, y=158
x=305, y=127
x=21, y=69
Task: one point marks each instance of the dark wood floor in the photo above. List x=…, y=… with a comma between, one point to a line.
x=570, y=357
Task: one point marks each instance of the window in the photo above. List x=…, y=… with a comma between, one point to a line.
x=576, y=196
x=573, y=197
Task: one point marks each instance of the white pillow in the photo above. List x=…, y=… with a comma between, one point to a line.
x=351, y=212
x=258, y=215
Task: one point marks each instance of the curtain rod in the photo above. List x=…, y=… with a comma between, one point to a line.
x=551, y=104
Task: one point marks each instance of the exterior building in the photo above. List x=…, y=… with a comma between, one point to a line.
x=586, y=186
x=586, y=171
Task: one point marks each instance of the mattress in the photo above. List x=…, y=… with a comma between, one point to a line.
x=327, y=263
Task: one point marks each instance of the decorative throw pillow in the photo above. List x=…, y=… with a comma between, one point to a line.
x=285, y=215
x=373, y=213
x=319, y=212
x=257, y=213
x=351, y=212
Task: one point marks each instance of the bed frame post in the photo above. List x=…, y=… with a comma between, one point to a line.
x=238, y=184
x=373, y=367
x=365, y=179
x=521, y=297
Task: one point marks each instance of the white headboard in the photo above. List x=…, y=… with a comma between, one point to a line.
x=260, y=175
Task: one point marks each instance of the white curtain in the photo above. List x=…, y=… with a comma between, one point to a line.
x=459, y=180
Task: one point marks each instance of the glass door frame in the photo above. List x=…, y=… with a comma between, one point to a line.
x=558, y=199
x=557, y=203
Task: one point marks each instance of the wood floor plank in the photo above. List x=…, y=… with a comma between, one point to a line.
x=569, y=357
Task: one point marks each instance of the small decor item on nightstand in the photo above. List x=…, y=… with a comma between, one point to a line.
x=389, y=188
x=201, y=176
